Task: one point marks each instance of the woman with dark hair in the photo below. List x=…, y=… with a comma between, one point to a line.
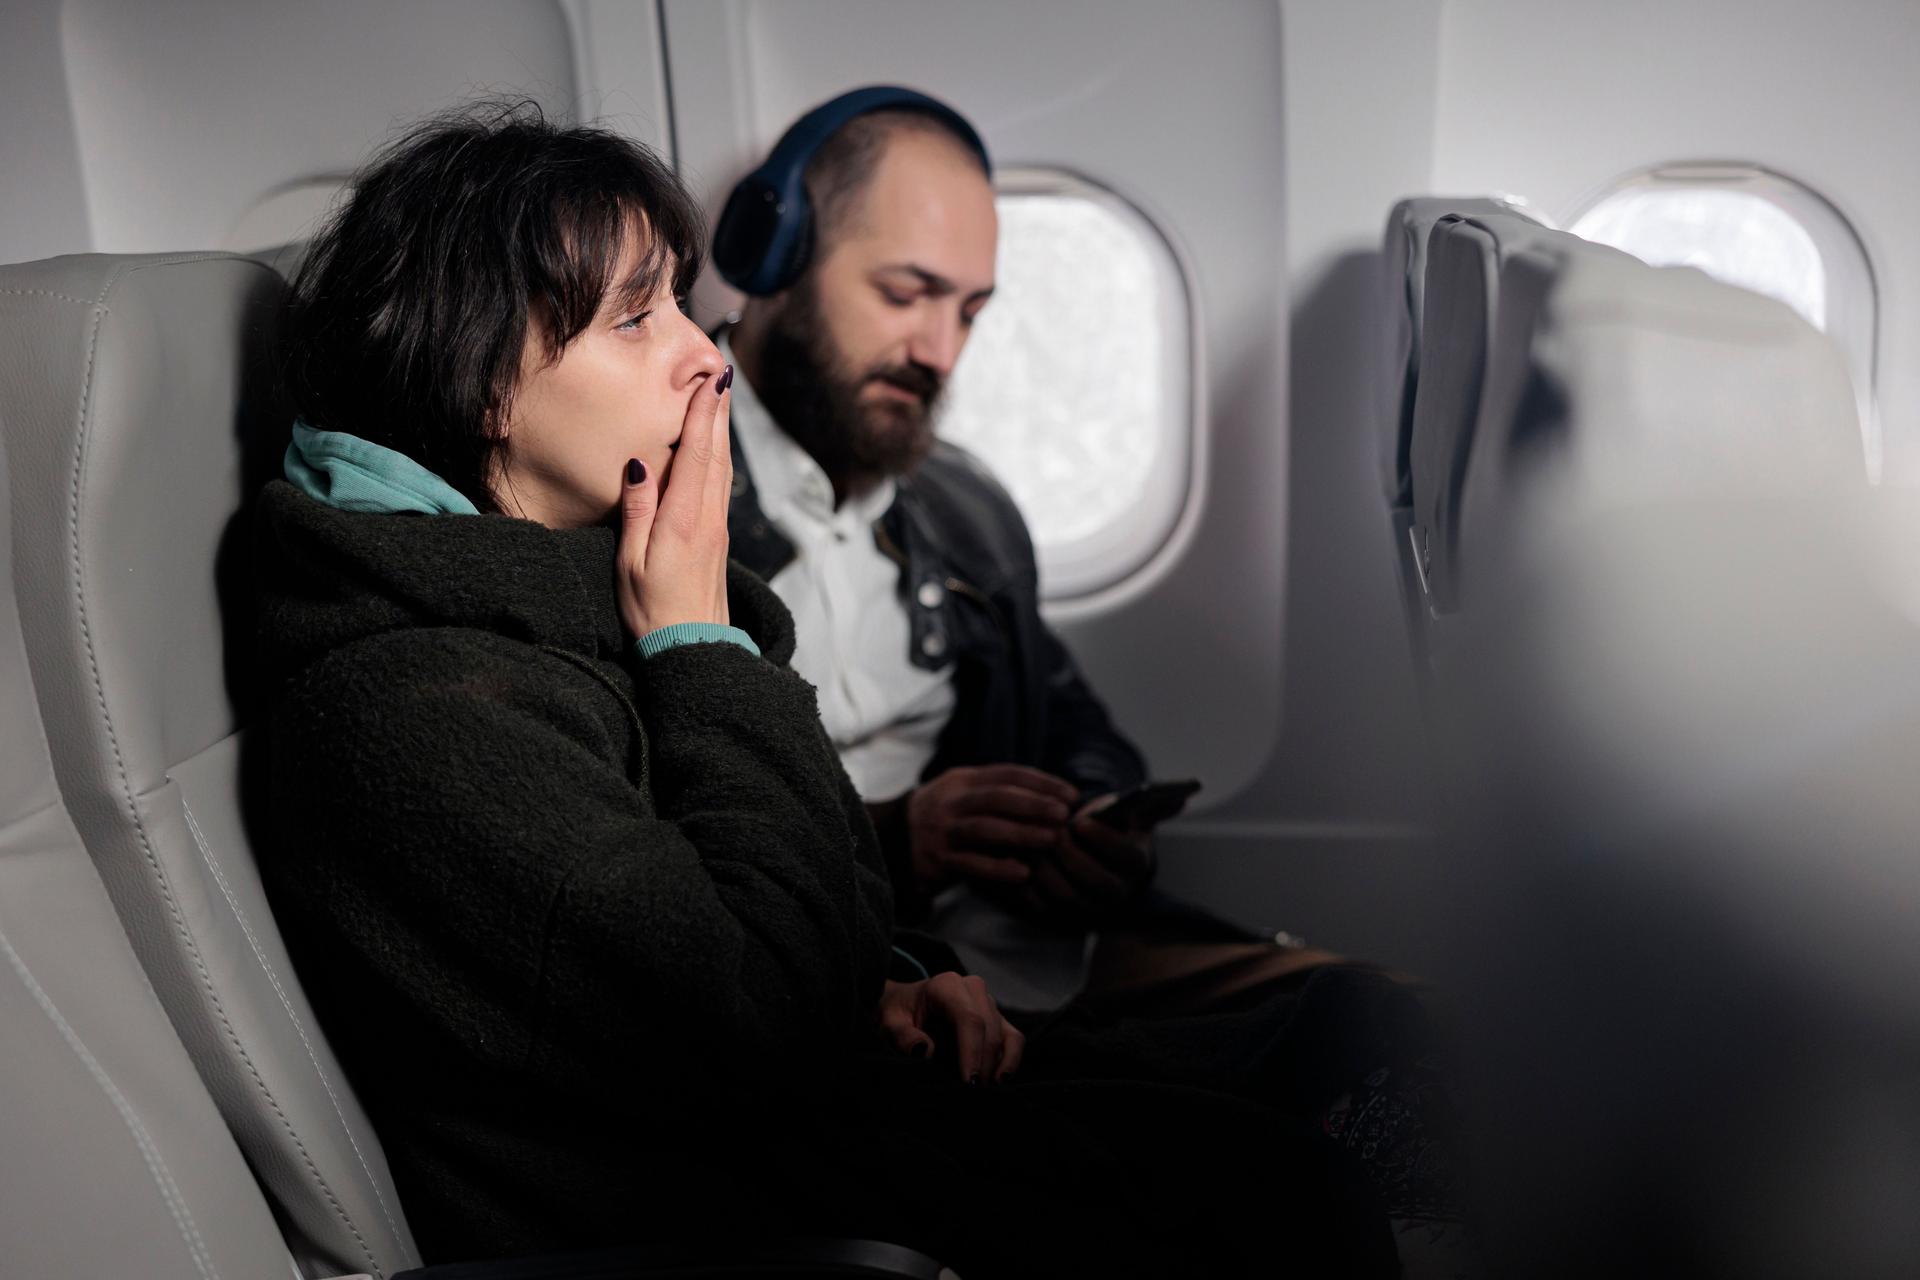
x=567, y=861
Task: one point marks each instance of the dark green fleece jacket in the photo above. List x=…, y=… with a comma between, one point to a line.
x=564, y=911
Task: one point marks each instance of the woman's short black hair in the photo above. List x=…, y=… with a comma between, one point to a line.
x=410, y=312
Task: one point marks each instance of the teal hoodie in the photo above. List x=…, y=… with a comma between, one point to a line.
x=352, y=474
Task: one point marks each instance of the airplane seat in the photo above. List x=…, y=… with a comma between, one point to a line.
x=284, y=259
x=1677, y=723
x=138, y=414
x=1613, y=384
x=1459, y=319
x=119, y=1163
x=1683, y=733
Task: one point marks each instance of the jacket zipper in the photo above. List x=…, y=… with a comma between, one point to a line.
x=951, y=583
x=982, y=599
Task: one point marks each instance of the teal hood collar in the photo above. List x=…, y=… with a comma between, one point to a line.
x=352, y=474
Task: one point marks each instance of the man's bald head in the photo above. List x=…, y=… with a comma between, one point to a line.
x=843, y=168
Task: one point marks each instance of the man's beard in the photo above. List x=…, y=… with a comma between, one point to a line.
x=817, y=402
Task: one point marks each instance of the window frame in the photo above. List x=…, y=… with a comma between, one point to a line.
x=1084, y=573
x=1853, y=286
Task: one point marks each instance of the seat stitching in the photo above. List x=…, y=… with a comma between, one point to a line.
x=156, y=1166
x=185, y=935
x=48, y=293
x=169, y=260
x=206, y=856
x=122, y=269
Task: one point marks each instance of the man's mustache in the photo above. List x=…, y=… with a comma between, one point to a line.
x=915, y=378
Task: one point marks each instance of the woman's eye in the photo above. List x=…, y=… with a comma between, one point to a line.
x=634, y=322
x=895, y=298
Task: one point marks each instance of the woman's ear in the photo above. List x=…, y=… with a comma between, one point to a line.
x=500, y=417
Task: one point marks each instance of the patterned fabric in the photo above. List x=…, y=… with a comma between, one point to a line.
x=1399, y=1126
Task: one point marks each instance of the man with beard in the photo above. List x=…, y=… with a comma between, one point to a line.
x=866, y=244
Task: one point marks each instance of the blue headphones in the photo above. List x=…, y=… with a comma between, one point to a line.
x=765, y=234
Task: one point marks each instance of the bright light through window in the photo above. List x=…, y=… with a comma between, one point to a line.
x=1074, y=386
x=1733, y=236
x=1763, y=231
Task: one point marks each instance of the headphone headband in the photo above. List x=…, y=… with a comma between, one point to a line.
x=765, y=234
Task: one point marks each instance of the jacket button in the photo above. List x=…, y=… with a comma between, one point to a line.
x=933, y=644
x=930, y=594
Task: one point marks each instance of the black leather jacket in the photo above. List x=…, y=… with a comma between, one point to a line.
x=971, y=589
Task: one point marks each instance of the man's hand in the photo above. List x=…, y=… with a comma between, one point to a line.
x=1093, y=867
x=985, y=1045
x=985, y=823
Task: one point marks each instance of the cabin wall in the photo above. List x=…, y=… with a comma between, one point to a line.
x=1555, y=99
x=203, y=124
x=43, y=199
x=1328, y=840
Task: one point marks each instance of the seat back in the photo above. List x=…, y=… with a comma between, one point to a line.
x=1683, y=900
x=1686, y=702
x=118, y=1163
x=133, y=388
x=1613, y=383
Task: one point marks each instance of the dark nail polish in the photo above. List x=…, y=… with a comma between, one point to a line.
x=636, y=471
x=1007, y=1078
x=974, y=1078
x=726, y=380
x=920, y=1050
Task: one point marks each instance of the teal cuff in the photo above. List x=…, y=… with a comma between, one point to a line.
x=656, y=642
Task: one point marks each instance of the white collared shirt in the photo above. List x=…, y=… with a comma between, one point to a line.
x=852, y=635
x=851, y=629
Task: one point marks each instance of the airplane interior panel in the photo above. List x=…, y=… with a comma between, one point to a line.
x=1336, y=571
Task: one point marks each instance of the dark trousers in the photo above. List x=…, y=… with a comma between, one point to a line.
x=1206, y=1145
x=1236, y=1143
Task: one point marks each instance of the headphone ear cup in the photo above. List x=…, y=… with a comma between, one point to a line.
x=745, y=233
x=799, y=250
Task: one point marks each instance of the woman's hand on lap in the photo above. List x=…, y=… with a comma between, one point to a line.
x=952, y=1011
x=672, y=555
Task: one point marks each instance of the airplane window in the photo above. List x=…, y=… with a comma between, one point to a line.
x=1731, y=235
x=1762, y=231
x=1075, y=387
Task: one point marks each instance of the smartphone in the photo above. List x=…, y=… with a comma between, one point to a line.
x=1148, y=805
